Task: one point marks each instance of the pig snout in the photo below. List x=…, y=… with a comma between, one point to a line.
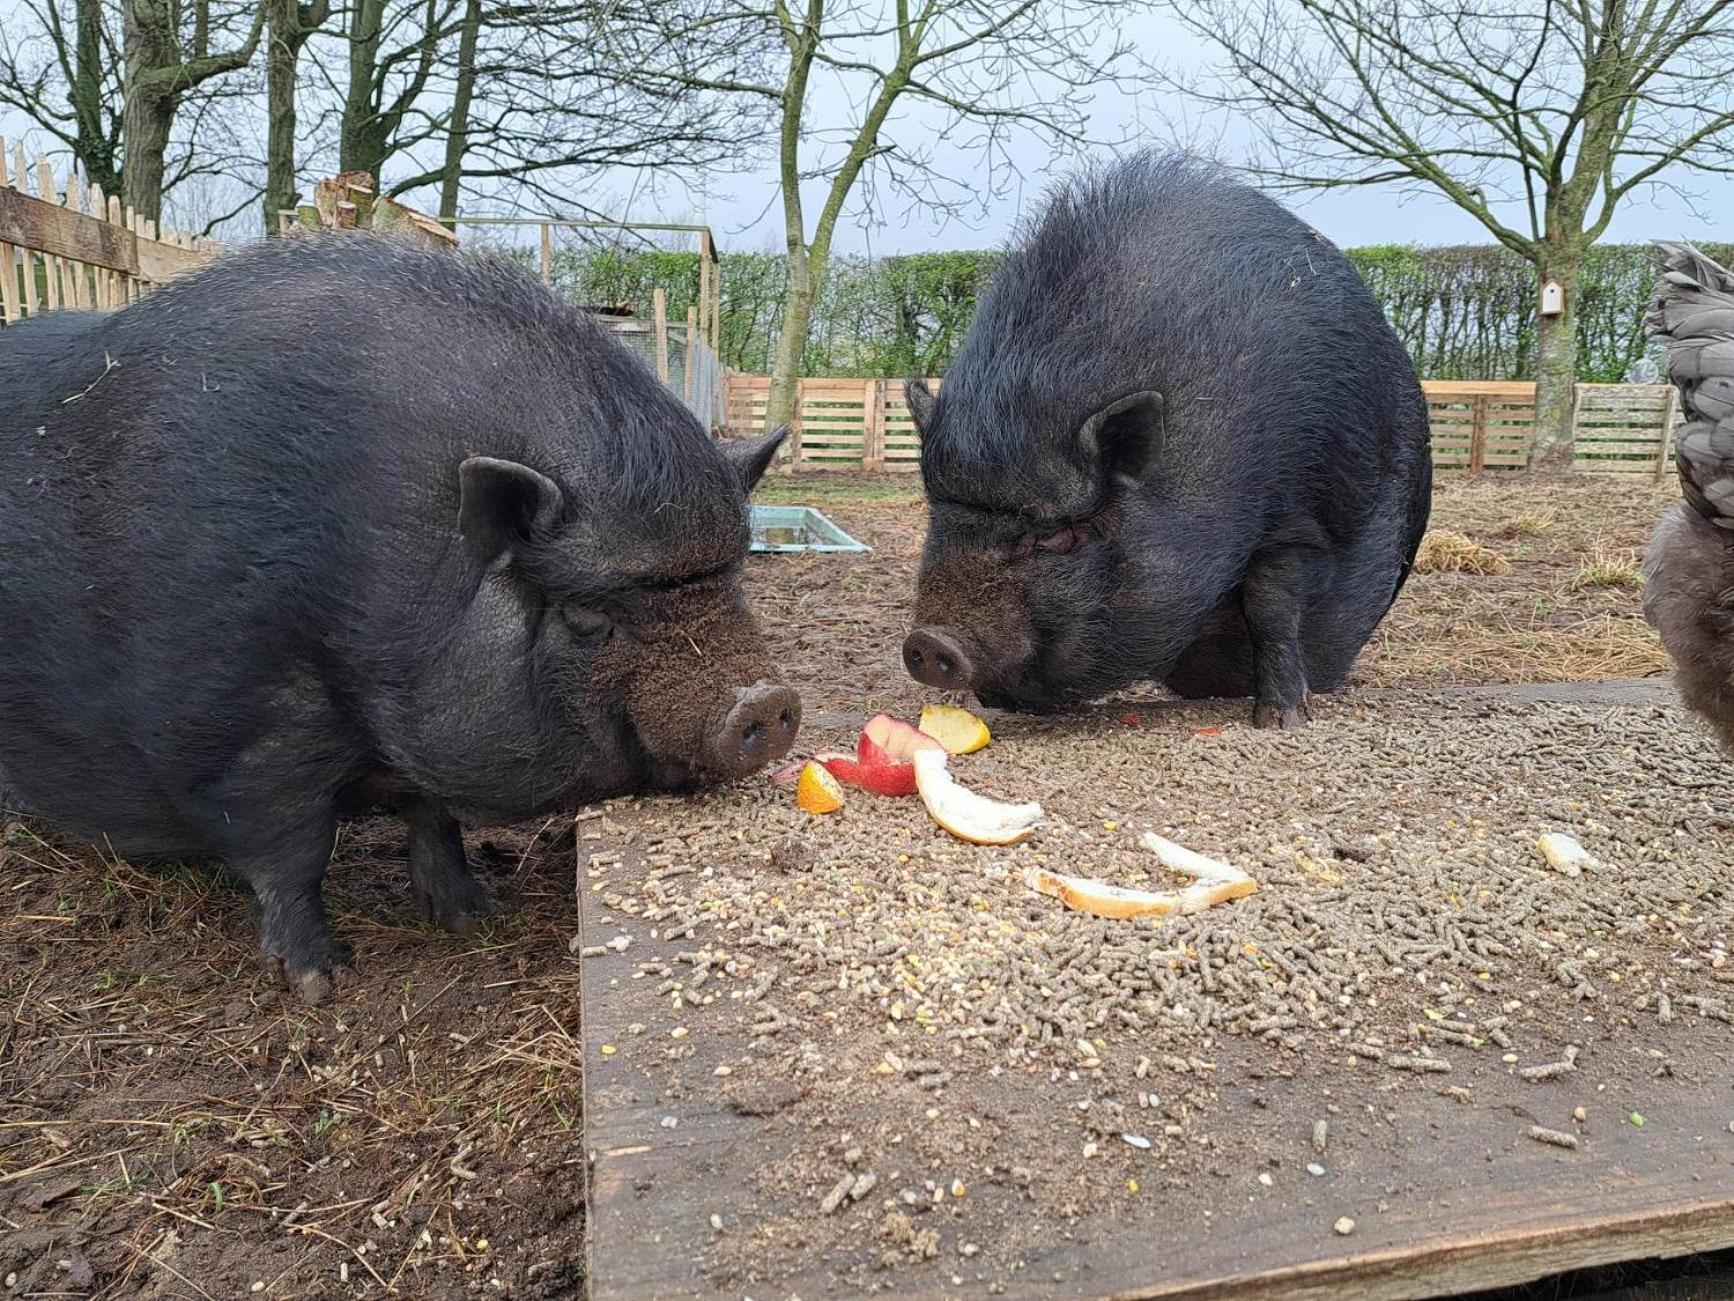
x=935, y=657
x=759, y=729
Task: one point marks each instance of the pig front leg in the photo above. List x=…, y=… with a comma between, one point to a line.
x=449, y=893
x=287, y=880
x=1271, y=599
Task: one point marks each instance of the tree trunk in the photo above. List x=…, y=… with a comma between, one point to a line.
x=91, y=143
x=291, y=25
x=148, y=114
x=361, y=145
x=1556, y=369
x=798, y=298
x=282, y=52
x=458, y=136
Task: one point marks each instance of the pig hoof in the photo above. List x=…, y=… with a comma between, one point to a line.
x=460, y=909
x=1287, y=717
x=313, y=985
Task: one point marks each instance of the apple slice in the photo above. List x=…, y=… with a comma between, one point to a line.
x=817, y=790
x=792, y=770
x=897, y=738
x=965, y=814
x=958, y=730
x=873, y=770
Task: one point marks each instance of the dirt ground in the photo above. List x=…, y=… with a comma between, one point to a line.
x=171, y=1127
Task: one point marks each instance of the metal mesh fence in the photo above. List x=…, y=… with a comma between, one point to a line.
x=694, y=373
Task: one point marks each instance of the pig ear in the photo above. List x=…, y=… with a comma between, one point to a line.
x=921, y=401
x=503, y=503
x=1121, y=439
x=751, y=457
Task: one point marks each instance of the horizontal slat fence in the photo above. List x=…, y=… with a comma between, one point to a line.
x=66, y=244
x=1477, y=425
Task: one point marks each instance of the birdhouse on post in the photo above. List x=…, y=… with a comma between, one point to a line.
x=1552, y=298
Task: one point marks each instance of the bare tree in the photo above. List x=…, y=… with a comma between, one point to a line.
x=167, y=54
x=290, y=24
x=978, y=71
x=1538, y=120
x=59, y=67
x=392, y=50
x=542, y=97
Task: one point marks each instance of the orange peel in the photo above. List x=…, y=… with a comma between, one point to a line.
x=1214, y=883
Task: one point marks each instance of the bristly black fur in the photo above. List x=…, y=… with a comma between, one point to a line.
x=1285, y=436
x=236, y=593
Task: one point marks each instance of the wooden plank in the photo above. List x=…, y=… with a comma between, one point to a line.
x=673, y=1143
x=9, y=297
x=50, y=229
x=50, y=262
x=157, y=262
x=691, y=351
x=1478, y=437
x=1667, y=439
x=20, y=179
x=659, y=325
x=78, y=274
x=1476, y=387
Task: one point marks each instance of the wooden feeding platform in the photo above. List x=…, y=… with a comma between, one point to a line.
x=1454, y=1221
x=709, y=1173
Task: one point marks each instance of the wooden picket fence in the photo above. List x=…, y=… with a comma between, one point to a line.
x=840, y=423
x=68, y=245
x=1477, y=425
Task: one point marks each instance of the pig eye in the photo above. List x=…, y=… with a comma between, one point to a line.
x=586, y=623
x=1067, y=539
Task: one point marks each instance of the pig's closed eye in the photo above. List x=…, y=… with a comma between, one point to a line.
x=586, y=624
x=1067, y=539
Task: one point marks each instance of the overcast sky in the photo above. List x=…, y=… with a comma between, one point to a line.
x=736, y=206
x=740, y=206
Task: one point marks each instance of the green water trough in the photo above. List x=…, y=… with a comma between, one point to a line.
x=798, y=528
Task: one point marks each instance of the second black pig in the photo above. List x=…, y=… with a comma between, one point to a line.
x=1179, y=443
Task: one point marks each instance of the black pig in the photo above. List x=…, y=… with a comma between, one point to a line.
x=1179, y=443
x=339, y=523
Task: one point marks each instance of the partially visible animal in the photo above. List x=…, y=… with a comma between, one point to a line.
x=339, y=523
x=1689, y=567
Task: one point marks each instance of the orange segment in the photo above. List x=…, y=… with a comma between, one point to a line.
x=817, y=791
x=958, y=730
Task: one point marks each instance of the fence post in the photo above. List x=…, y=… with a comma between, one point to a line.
x=691, y=351
x=8, y=271
x=659, y=323
x=873, y=426
x=1482, y=409
x=547, y=254
x=50, y=263
x=78, y=286
x=716, y=310
x=704, y=289
x=795, y=457
x=1669, y=407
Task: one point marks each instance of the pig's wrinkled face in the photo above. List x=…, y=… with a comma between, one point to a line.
x=1025, y=579
x=608, y=647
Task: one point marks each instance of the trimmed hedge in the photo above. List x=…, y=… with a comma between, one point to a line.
x=1463, y=312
